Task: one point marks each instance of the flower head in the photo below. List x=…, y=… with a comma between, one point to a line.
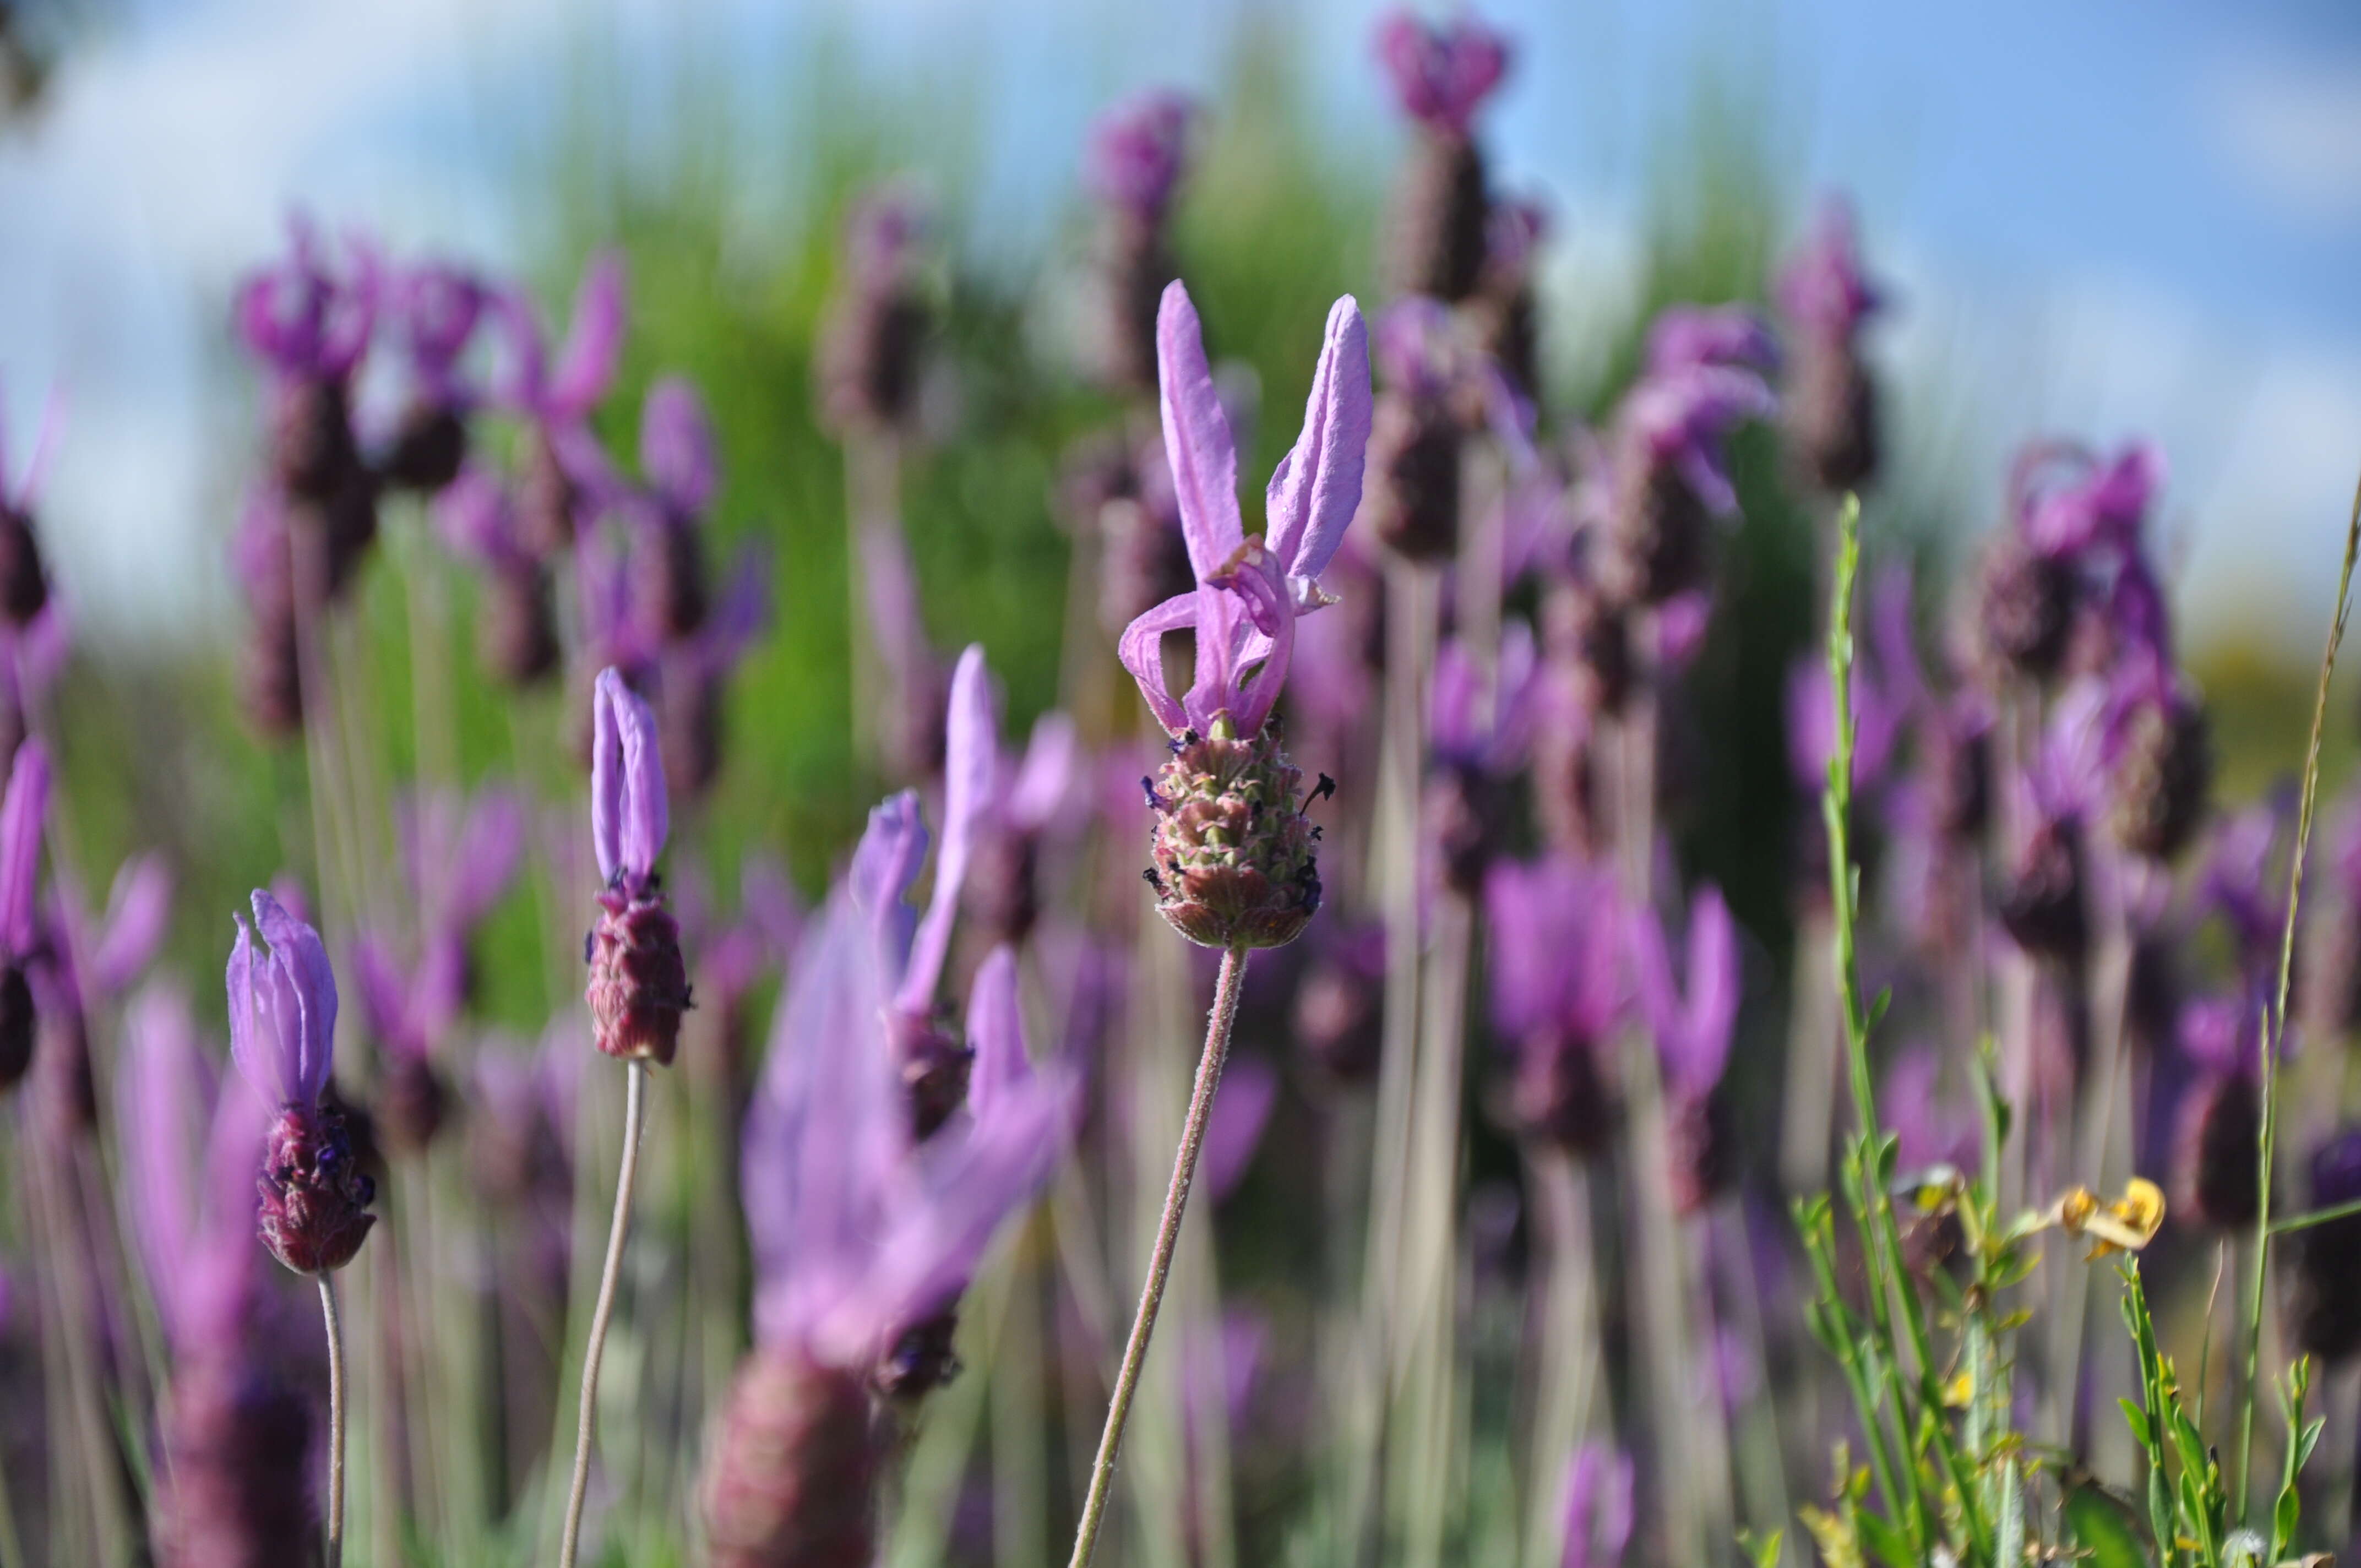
x=561, y=396
x=1441, y=73
x=638, y=981
x=1692, y=1022
x=1248, y=591
x=1822, y=290
x=1138, y=150
x=308, y=322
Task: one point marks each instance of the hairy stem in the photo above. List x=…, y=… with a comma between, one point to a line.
x=635, y=1110
x=335, y=1327
x=2275, y=1023
x=1168, y=1235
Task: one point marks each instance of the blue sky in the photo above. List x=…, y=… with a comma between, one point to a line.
x=2099, y=217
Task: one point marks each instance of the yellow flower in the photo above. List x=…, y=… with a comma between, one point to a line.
x=2125, y=1224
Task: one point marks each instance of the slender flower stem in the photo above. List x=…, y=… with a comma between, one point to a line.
x=1168, y=1235
x=334, y=1321
x=635, y=1112
x=2275, y=1022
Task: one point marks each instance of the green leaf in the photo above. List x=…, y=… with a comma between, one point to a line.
x=2138, y=1418
x=2103, y=1527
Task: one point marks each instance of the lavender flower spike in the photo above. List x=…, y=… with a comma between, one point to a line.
x=22, y=813
x=1692, y=1032
x=638, y=981
x=282, y=1034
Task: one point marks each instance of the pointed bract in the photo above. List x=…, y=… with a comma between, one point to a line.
x=629, y=818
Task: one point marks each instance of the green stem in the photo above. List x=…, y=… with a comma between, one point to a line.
x=2274, y=1024
x=635, y=1112
x=2316, y=1217
x=1168, y=1236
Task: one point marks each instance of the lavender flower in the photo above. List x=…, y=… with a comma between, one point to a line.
x=676, y=456
x=1029, y=799
x=1477, y=744
x=1559, y=986
x=1233, y=856
x=1692, y=1028
x=1137, y=155
x=436, y=308
x=1417, y=429
x=516, y=627
x=85, y=964
x=1831, y=401
x=1339, y=1005
x=696, y=671
x=24, y=579
x=2221, y=1113
x=1504, y=317
x=639, y=983
x=911, y=735
x=860, y=1239
x=1663, y=477
x=562, y=465
x=282, y=1031
x=24, y=812
x=235, y=1440
x=2325, y=1311
x=1441, y=75
x=876, y=326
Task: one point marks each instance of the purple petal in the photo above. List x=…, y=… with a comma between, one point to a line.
x=474, y=517
x=253, y=1027
x=1257, y=586
x=161, y=1086
x=1441, y=74
x=1136, y=152
x=585, y=366
x=1317, y=488
x=629, y=818
x=972, y=756
x=137, y=914
x=827, y=1128
x=677, y=447
x=1197, y=441
x=896, y=622
x=24, y=812
x=491, y=843
x=1141, y=649
x=1598, y=1507
x=996, y=1030
x=384, y=993
x=296, y=951
x=1242, y=1108
x=885, y=864
x=1045, y=780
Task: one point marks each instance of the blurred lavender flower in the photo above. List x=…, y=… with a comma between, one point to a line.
x=1441, y=75
x=85, y=965
x=1031, y=798
x=639, y=983
x=2041, y=898
x=1119, y=487
x=2325, y=1309
x=1560, y=987
x=1137, y=155
x=1654, y=488
x=677, y=460
x=1339, y=1005
x=232, y=1487
x=876, y=326
x=863, y=1242
x=910, y=732
x=1232, y=860
x=516, y=629
x=1831, y=399
x=1504, y=318
x=24, y=579
x=310, y=327
x=1598, y=1507
x=23, y=815
x=563, y=467
x=695, y=671
x=282, y=1031
x=1479, y=738
x=1241, y=1109
x=1691, y=1019
x=1416, y=430
x=436, y=309
x=2221, y=1111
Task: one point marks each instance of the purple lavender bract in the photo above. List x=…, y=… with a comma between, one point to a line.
x=638, y=981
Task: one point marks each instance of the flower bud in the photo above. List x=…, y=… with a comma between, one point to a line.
x=638, y=981
x=24, y=580
x=869, y=359
x=1339, y=1017
x=2025, y=607
x=793, y=1477
x=1412, y=500
x=2215, y=1151
x=1831, y=414
x=315, y=1195
x=429, y=445
x=2162, y=773
x=1559, y=1097
x=2041, y=904
x=516, y=627
x=1233, y=859
x=311, y=446
x=1461, y=815
x=1659, y=534
x=412, y=1103
x=1436, y=243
